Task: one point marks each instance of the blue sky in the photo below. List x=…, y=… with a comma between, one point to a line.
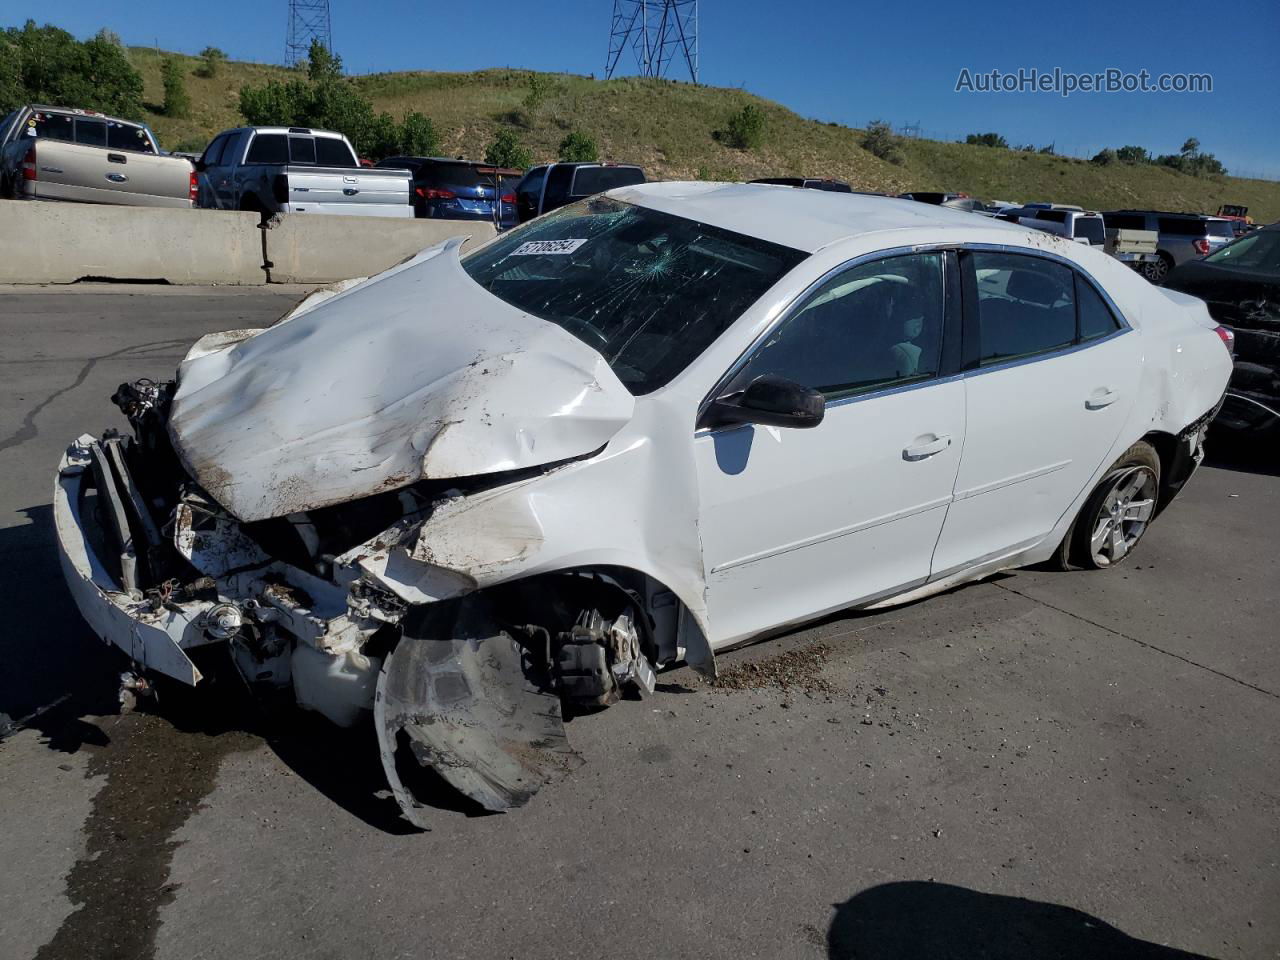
x=845, y=62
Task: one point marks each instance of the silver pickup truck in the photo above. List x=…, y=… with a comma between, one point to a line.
x=60, y=153
x=297, y=170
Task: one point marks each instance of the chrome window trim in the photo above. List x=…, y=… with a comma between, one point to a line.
x=790, y=308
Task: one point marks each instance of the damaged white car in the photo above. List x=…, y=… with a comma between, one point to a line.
x=477, y=490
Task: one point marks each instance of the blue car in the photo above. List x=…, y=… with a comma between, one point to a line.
x=448, y=189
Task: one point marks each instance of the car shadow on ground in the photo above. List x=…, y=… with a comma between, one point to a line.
x=58, y=678
x=914, y=920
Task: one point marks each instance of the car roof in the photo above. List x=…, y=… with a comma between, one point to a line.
x=298, y=131
x=801, y=219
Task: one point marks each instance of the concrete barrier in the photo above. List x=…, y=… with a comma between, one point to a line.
x=318, y=249
x=64, y=242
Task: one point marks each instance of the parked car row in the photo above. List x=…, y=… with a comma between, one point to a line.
x=53, y=153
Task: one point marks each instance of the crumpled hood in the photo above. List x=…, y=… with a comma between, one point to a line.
x=417, y=373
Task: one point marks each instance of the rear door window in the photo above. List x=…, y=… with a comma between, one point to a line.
x=332, y=152
x=212, y=155
x=557, y=193
x=269, y=148
x=1026, y=306
x=91, y=133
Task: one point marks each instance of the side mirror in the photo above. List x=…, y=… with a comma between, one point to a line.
x=769, y=400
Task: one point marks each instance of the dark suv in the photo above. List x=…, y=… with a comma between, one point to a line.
x=448, y=189
x=1182, y=236
x=550, y=186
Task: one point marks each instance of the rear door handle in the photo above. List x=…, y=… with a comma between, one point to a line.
x=926, y=447
x=1102, y=397
x=117, y=158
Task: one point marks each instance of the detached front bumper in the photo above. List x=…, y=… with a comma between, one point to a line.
x=282, y=626
x=156, y=639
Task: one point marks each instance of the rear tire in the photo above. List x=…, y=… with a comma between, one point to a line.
x=1157, y=271
x=1116, y=514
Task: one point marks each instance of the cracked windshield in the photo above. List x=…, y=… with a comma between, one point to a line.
x=648, y=290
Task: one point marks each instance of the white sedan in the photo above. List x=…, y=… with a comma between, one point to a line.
x=477, y=489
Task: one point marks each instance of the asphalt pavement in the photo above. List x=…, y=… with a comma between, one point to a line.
x=1042, y=765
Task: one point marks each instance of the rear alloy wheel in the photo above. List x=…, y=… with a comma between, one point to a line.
x=1158, y=269
x=1117, y=513
x=1122, y=516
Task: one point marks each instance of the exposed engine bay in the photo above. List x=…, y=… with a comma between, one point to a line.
x=474, y=685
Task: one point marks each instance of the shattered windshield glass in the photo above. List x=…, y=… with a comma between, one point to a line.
x=648, y=290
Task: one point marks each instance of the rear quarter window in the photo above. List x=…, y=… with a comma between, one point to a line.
x=1091, y=229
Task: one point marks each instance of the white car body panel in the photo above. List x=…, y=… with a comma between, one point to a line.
x=420, y=373
x=1038, y=433
x=837, y=513
x=369, y=392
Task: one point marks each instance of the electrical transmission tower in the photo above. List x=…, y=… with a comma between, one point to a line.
x=658, y=31
x=308, y=20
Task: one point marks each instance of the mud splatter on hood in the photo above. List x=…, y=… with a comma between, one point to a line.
x=416, y=373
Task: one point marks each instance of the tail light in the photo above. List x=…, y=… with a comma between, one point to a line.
x=1201, y=245
x=29, y=164
x=193, y=190
x=509, y=198
x=280, y=188
x=1227, y=337
x=433, y=194
x=420, y=192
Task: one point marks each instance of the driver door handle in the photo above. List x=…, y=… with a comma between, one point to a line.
x=926, y=447
x=1102, y=397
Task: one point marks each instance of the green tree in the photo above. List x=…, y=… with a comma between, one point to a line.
x=1104, y=158
x=987, y=140
x=879, y=140
x=176, y=101
x=539, y=88
x=48, y=65
x=507, y=151
x=1132, y=154
x=577, y=147
x=213, y=60
x=746, y=128
x=320, y=96
x=418, y=137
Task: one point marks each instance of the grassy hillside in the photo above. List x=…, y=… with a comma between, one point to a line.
x=671, y=128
